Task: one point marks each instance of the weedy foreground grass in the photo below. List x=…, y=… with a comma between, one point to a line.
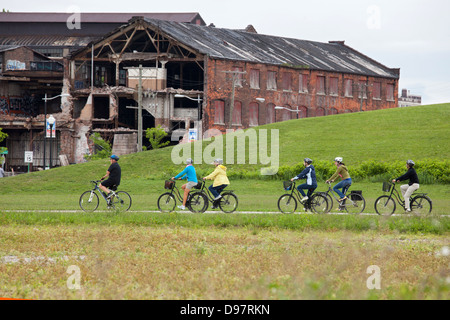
x=174, y=262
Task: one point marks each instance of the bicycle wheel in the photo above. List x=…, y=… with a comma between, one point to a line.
x=287, y=204
x=330, y=201
x=385, y=206
x=421, y=205
x=89, y=201
x=229, y=202
x=197, y=202
x=121, y=201
x=355, y=203
x=166, y=202
x=319, y=203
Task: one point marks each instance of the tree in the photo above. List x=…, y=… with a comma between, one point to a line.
x=155, y=135
x=3, y=136
x=103, y=148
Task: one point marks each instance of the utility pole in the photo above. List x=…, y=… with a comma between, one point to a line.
x=234, y=78
x=140, y=110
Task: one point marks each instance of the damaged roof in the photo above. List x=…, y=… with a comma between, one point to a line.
x=240, y=45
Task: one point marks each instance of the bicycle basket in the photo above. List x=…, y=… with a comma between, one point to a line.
x=287, y=185
x=354, y=194
x=387, y=186
x=169, y=184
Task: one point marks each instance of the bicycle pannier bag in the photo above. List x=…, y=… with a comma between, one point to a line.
x=354, y=197
x=386, y=186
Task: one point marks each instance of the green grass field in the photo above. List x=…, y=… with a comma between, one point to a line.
x=143, y=254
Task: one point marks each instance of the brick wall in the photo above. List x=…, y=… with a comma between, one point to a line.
x=312, y=102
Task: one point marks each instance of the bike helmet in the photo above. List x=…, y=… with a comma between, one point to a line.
x=308, y=160
x=219, y=161
x=338, y=159
x=189, y=161
x=114, y=157
x=410, y=162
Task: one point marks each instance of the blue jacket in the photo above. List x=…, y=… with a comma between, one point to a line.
x=310, y=175
x=189, y=173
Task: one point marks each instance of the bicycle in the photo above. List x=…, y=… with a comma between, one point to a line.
x=354, y=204
x=168, y=201
x=385, y=205
x=228, y=203
x=287, y=203
x=89, y=200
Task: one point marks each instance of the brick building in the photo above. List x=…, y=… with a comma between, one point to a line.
x=197, y=76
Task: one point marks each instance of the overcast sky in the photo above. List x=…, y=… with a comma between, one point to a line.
x=413, y=35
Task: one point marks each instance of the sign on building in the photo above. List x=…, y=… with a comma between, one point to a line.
x=28, y=156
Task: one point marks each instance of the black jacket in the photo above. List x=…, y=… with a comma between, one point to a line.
x=411, y=175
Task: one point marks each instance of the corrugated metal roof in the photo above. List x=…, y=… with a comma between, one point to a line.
x=259, y=48
x=97, y=17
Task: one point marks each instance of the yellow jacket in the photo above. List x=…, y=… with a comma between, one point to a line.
x=219, y=176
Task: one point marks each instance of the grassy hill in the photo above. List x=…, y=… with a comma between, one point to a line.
x=393, y=135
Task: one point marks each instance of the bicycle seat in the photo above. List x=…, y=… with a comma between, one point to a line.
x=113, y=188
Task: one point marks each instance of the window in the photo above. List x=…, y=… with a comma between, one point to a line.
x=303, y=83
x=271, y=80
x=237, y=113
x=239, y=76
x=320, y=112
x=270, y=113
x=286, y=114
x=377, y=90
x=362, y=90
x=254, y=79
x=390, y=92
x=219, y=112
x=253, y=113
x=287, y=80
x=334, y=86
x=320, y=85
x=348, y=88
x=302, y=112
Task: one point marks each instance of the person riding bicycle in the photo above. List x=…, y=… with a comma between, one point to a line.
x=113, y=174
x=191, y=176
x=413, y=185
x=219, y=175
x=346, y=181
x=309, y=173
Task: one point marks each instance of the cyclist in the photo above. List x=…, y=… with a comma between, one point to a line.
x=113, y=174
x=191, y=176
x=346, y=181
x=219, y=175
x=413, y=185
x=309, y=173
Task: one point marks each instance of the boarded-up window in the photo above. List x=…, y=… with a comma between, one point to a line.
x=302, y=112
x=390, y=92
x=303, y=83
x=320, y=112
x=253, y=113
x=286, y=114
x=254, y=79
x=320, y=85
x=270, y=113
x=334, y=86
x=348, y=88
x=240, y=76
x=362, y=89
x=237, y=113
x=377, y=90
x=219, y=112
x=287, y=81
x=333, y=111
x=271, y=80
